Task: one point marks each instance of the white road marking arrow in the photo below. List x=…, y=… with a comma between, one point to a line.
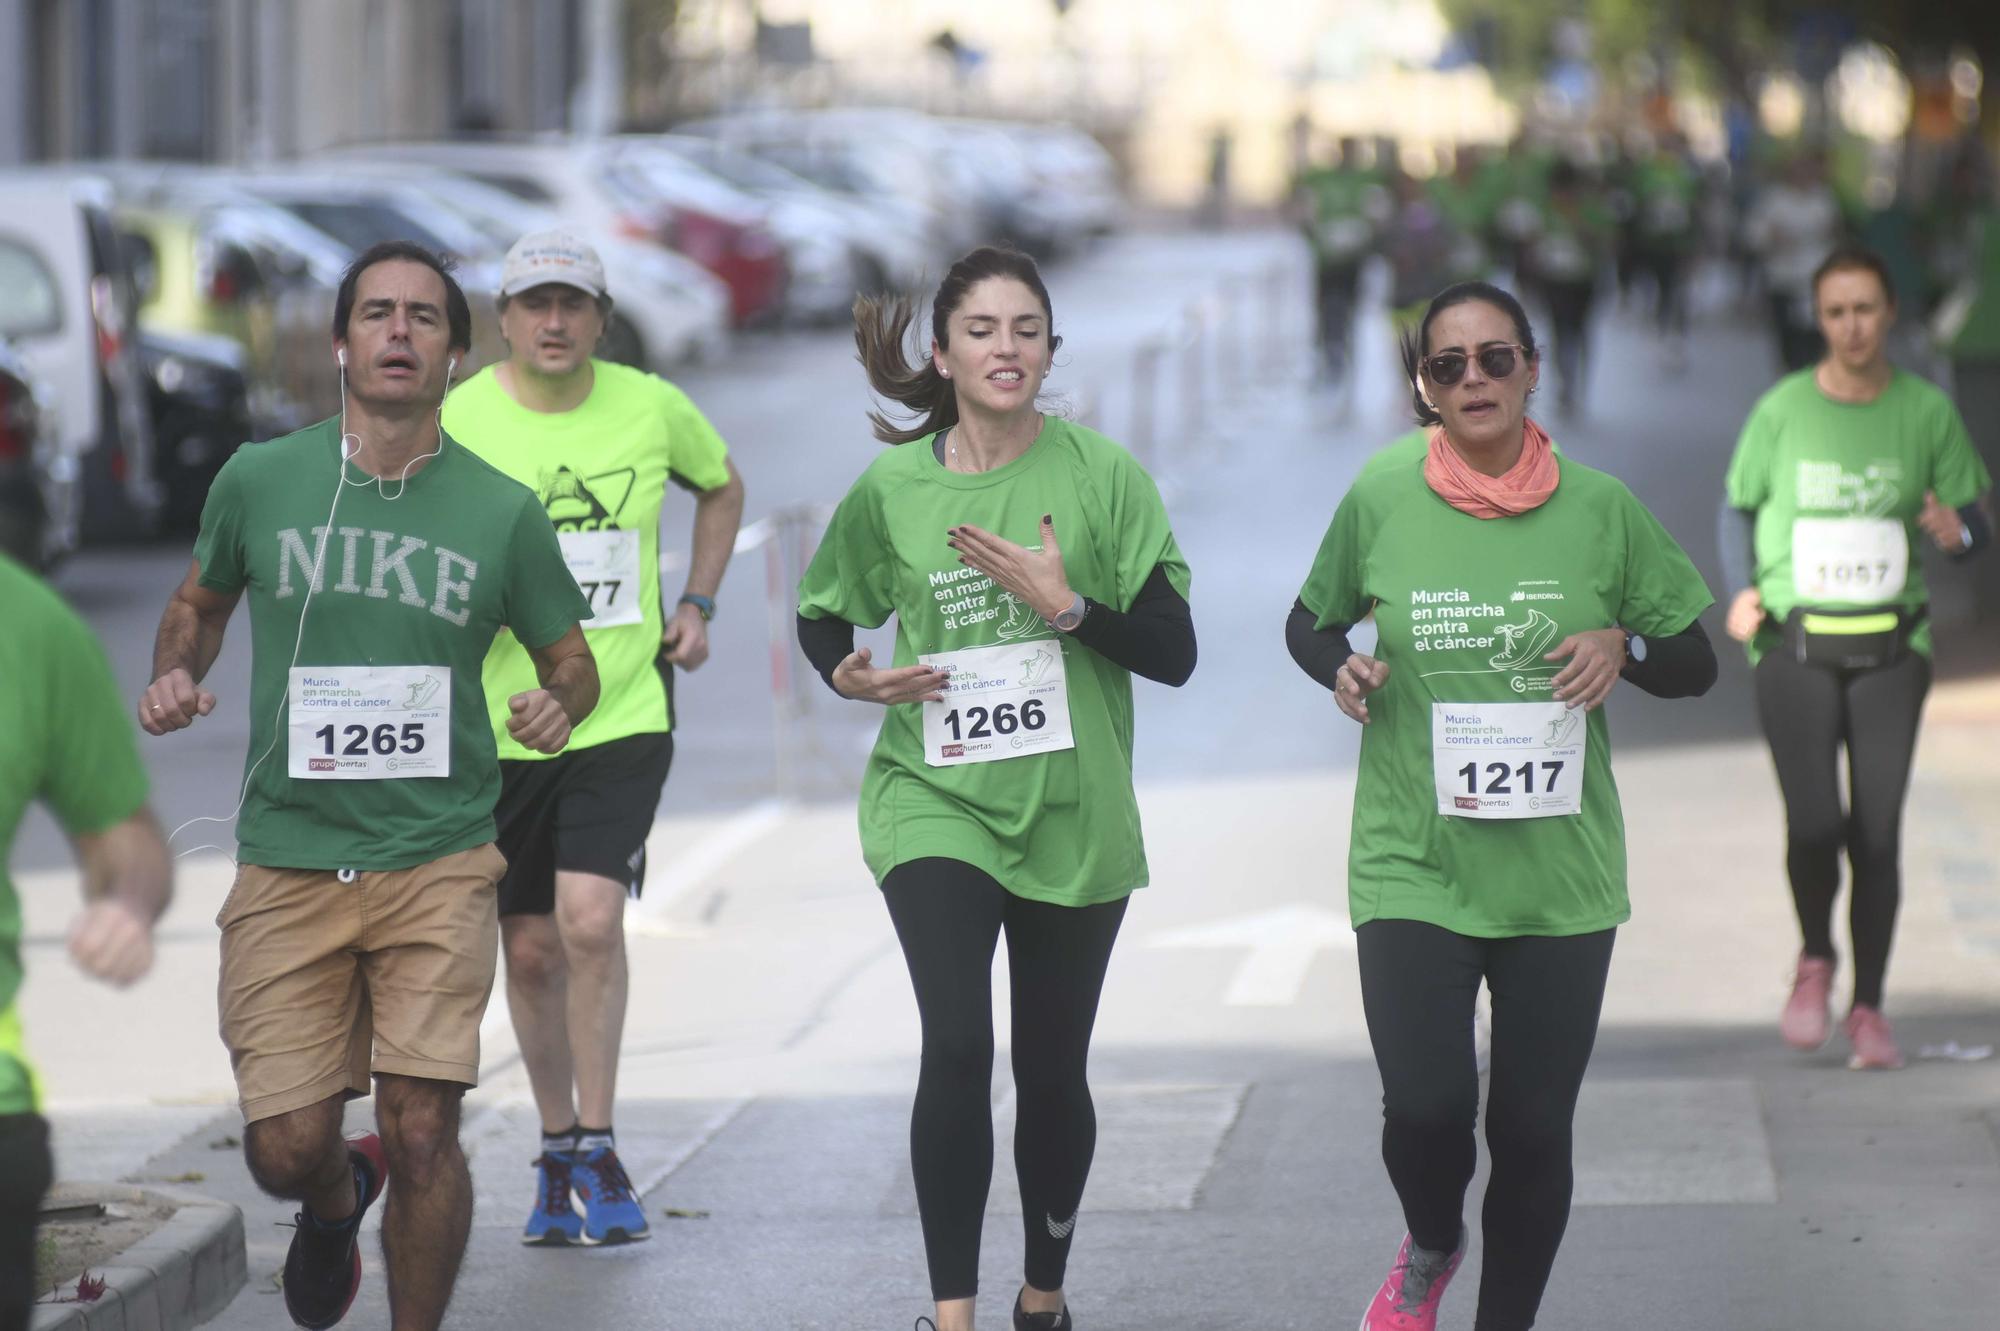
x=1282, y=944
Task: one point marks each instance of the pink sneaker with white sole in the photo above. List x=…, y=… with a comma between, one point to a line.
x=1807, y=1021
x=1408, y=1299
x=1874, y=1043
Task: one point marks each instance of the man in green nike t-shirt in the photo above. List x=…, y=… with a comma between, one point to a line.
x=598, y=442
x=70, y=746
x=380, y=557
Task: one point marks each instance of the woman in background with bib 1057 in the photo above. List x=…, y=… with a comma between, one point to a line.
x=1031, y=570
x=1842, y=471
x=1511, y=588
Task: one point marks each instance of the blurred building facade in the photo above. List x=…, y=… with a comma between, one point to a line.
x=256, y=80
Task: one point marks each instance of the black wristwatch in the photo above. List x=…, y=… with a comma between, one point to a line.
x=703, y=604
x=1635, y=649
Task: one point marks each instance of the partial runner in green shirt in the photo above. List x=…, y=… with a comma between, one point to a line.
x=68, y=744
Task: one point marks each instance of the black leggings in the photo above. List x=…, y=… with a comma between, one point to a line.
x=1809, y=713
x=25, y=1169
x=948, y=917
x=1418, y=987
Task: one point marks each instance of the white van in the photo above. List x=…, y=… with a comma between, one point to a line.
x=67, y=306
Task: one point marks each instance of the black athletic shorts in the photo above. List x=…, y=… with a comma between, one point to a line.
x=584, y=810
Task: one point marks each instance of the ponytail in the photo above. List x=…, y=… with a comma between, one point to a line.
x=881, y=332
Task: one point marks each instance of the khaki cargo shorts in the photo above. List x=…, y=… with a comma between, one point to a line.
x=324, y=980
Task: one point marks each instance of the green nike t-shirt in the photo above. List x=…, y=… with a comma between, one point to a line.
x=601, y=472
x=1837, y=487
x=69, y=744
x=1056, y=825
x=1465, y=608
x=412, y=589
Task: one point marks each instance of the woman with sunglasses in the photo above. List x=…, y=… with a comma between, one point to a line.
x=1843, y=471
x=1512, y=588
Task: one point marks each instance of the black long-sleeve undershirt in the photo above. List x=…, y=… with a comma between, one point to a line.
x=1154, y=639
x=1680, y=666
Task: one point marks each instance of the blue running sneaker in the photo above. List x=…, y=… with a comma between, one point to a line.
x=611, y=1211
x=554, y=1222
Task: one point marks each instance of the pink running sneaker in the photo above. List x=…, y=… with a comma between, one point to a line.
x=1874, y=1043
x=1807, y=1022
x=1408, y=1299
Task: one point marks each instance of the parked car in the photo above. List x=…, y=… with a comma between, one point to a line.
x=889, y=254
x=580, y=183
x=820, y=262
x=667, y=309
x=68, y=306
x=200, y=395
x=887, y=172
x=40, y=496
x=237, y=268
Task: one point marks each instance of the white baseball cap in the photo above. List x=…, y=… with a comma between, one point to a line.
x=551, y=256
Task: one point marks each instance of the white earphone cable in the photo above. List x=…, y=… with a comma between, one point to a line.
x=319, y=562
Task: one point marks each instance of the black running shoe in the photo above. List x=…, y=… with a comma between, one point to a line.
x=1027, y=1321
x=323, y=1268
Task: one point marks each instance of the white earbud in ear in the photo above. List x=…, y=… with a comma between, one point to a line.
x=452, y=366
x=340, y=354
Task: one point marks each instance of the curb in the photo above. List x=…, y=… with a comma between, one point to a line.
x=179, y=1276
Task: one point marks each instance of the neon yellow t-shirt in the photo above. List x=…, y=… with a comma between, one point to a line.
x=601, y=470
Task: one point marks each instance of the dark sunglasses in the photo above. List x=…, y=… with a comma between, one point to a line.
x=1495, y=362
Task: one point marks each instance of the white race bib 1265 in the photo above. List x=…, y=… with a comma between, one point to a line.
x=1001, y=702
x=605, y=565
x=369, y=723
x=1862, y=561
x=1508, y=759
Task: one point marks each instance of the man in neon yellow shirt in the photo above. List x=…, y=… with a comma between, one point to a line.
x=68, y=744
x=598, y=443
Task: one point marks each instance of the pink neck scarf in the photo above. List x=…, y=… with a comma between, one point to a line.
x=1526, y=485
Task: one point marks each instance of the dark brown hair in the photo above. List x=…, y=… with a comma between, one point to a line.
x=1416, y=341
x=1853, y=259
x=457, y=313
x=882, y=328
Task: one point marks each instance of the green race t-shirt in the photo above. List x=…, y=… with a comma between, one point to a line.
x=602, y=467
x=423, y=580
x=69, y=743
x=1837, y=487
x=1465, y=608
x=1057, y=826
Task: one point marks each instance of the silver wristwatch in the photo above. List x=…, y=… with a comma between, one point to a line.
x=1071, y=615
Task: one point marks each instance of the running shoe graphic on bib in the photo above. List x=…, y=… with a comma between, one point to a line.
x=368, y=723
x=1003, y=701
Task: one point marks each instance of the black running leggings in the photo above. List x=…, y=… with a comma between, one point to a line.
x=948, y=917
x=1809, y=713
x=25, y=1169
x=1418, y=987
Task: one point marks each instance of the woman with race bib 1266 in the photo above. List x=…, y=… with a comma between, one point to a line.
x=1512, y=588
x=1843, y=470
x=1031, y=571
